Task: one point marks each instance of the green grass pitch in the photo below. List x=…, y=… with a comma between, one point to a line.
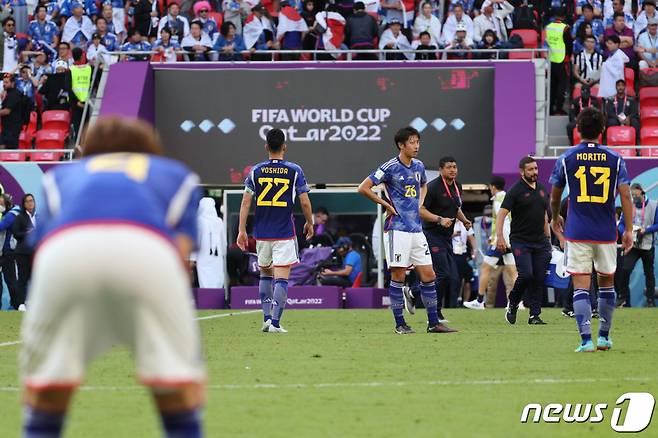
x=344, y=373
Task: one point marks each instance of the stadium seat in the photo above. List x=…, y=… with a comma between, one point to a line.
x=577, y=91
x=648, y=96
x=357, y=280
x=58, y=120
x=622, y=136
x=576, y=136
x=649, y=137
x=218, y=16
x=629, y=76
x=649, y=116
x=12, y=156
x=25, y=140
x=49, y=139
x=529, y=37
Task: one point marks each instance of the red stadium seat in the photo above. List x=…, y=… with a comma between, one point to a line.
x=649, y=137
x=648, y=96
x=12, y=156
x=529, y=36
x=577, y=139
x=357, y=280
x=25, y=140
x=49, y=139
x=56, y=120
x=218, y=17
x=622, y=136
x=577, y=91
x=629, y=77
x=649, y=116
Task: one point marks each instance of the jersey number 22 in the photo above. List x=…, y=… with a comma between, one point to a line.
x=281, y=184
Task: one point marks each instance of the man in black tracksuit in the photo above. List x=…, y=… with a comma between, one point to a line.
x=440, y=210
x=528, y=201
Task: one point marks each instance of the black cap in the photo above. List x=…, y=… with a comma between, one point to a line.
x=258, y=8
x=359, y=6
x=96, y=35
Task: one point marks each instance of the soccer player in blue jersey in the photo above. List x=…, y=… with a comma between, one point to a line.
x=405, y=186
x=592, y=174
x=275, y=184
x=115, y=233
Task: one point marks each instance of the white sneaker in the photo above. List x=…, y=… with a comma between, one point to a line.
x=272, y=329
x=22, y=308
x=474, y=305
x=266, y=325
x=521, y=306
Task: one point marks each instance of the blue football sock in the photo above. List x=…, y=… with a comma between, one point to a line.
x=582, y=308
x=38, y=424
x=397, y=302
x=428, y=295
x=279, y=300
x=607, y=299
x=182, y=424
x=265, y=294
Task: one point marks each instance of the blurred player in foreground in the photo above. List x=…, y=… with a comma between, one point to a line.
x=110, y=268
x=405, y=184
x=592, y=173
x=275, y=184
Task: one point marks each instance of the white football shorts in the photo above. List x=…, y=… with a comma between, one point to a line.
x=95, y=286
x=277, y=253
x=580, y=256
x=405, y=249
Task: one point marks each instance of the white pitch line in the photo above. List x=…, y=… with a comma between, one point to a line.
x=201, y=318
x=547, y=381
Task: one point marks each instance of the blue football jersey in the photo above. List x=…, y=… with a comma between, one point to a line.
x=402, y=187
x=592, y=174
x=149, y=191
x=275, y=184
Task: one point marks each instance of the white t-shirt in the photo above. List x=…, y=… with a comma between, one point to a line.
x=460, y=238
x=9, y=61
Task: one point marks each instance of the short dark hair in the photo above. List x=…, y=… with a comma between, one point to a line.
x=589, y=37
x=526, y=160
x=447, y=159
x=404, y=134
x=7, y=20
x=424, y=33
x=165, y=29
x=588, y=6
x=36, y=10
x=275, y=139
x=226, y=26
x=322, y=210
x=64, y=43
x=198, y=23
x=498, y=182
x=561, y=12
x=614, y=38
x=457, y=5
x=618, y=14
x=623, y=81
x=134, y=31
x=590, y=123
x=25, y=196
x=77, y=54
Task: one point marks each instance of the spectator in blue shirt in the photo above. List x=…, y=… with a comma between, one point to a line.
x=166, y=46
x=52, y=11
x=25, y=83
x=40, y=66
x=351, y=265
x=135, y=44
x=596, y=5
x=229, y=44
x=108, y=39
x=42, y=29
x=598, y=29
x=7, y=259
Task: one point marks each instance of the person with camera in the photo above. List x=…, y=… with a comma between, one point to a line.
x=645, y=224
x=351, y=268
x=461, y=43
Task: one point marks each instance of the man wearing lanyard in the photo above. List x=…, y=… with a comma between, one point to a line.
x=622, y=110
x=645, y=223
x=530, y=235
x=442, y=206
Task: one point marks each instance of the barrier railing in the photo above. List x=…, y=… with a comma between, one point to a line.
x=653, y=149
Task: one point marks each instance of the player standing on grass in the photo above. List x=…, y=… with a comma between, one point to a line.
x=405, y=184
x=275, y=183
x=592, y=173
x=110, y=267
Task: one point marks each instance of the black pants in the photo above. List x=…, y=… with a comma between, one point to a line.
x=532, y=260
x=8, y=266
x=445, y=267
x=24, y=270
x=570, y=127
x=335, y=280
x=558, y=86
x=630, y=260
